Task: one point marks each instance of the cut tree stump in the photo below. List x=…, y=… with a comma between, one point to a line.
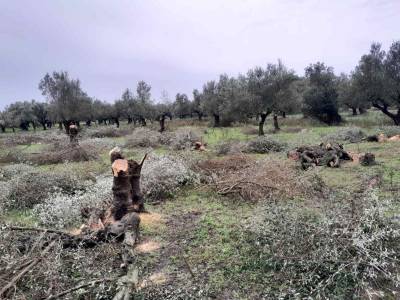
x=367, y=159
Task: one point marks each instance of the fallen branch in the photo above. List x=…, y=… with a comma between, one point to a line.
x=45, y=230
x=188, y=266
x=34, y=262
x=93, y=282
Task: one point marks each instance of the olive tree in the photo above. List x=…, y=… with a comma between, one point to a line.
x=273, y=91
x=321, y=96
x=41, y=113
x=349, y=95
x=197, y=104
x=182, y=106
x=20, y=114
x=377, y=77
x=65, y=97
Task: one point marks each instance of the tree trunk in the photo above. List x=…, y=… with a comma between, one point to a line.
x=24, y=126
x=284, y=115
x=354, y=109
x=121, y=189
x=134, y=178
x=276, y=125
x=263, y=116
x=43, y=125
x=384, y=109
x=216, y=120
x=126, y=185
x=361, y=110
x=162, y=123
x=3, y=128
x=89, y=123
x=117, y=122
x=34, y=126
x=66, y=126
x=73, y=135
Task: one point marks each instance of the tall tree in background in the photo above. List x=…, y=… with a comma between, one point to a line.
x=182, y=106
x=197, y=104
x=349, y=95
x=41, y=113
x=321, y=98
x=378, y=79
x=144, y=105
x=65, y=97
x=212, y=103
x=273, y=89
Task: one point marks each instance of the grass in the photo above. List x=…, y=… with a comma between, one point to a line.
x=207, y=228
x=18, y=217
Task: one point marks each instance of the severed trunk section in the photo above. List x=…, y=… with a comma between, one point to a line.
x=73, y=135
x=127, y=195
x=121, y=189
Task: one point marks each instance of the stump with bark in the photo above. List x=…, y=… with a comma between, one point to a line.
x=367, y=159
x=73, y=135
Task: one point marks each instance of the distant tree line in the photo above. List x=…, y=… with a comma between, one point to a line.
x=271, y=90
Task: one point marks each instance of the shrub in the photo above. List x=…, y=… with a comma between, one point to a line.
x=324, y=253
x=264, y=144
x=109, y=131
x=63, y=152
x=184, y=139
x=350, y=134
x=30, y=187
x=27, y=138
x=162, y=176
x=98, y=144
x=143, y=137
x=229, y=147
x=10, y=171
x=63, y=210
x=389, y=130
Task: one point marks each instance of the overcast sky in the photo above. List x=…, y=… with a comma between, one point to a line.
x=178, y=45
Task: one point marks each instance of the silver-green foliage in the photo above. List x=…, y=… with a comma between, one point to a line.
x=327, y=252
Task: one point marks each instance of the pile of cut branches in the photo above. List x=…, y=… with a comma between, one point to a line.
x=253, y=180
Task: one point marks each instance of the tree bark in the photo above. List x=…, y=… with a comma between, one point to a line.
x=66, y=123
x=216, y=120
x=126, y=185
x=276, y=125
x=162, y=123
x=117, y=122
x=263, y=117
x=354, y=109
x=3, y=128
x=384, y=108
x=134, y=178
x=73, y=135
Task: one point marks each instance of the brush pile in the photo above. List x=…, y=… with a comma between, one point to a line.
x=254, y=180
